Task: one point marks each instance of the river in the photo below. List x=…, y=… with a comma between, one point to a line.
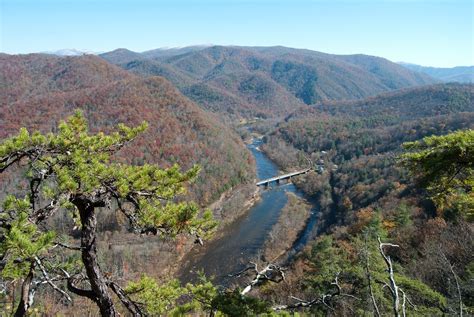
x=245, y=237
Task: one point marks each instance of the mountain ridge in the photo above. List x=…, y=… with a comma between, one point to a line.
x=253, y=75
x=462, y=74
x=40, y=90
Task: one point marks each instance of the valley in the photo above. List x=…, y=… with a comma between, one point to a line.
x=244, y=114
x=244, y=239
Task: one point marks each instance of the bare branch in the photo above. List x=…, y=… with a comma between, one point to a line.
x=238, y=274
x=45, y=212
x=393, y=285
x=132, y=306
x=411, y=303
x=300, y=304
x=46, y=276
x=271, y=272
x=403, y=302
x=59, y=244
x=33, y=153
x=11, y=159
x=324, y=299
x=451, y=268
x=76, y=290
x=336, y=283
x=34, y=185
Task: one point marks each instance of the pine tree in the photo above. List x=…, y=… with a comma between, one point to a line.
x=74, y=170
x=444, y=165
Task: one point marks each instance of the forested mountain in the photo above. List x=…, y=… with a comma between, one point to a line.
x=267, y=81
x=462, y=74
x=121, y=55
x=408, y=104
x=348, y=116
x=39, y=90
x=362, y=137
x=165, y=52
x=365, y=192
x=373, y=129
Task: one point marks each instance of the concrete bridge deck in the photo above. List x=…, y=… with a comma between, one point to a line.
x=280, y=177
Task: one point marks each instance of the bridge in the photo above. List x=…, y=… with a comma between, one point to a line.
x=278, y=178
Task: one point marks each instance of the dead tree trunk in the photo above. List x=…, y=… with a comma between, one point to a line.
x=27, y=294
x=89, y=255
x=393, y=285
x=451, y=268
x=271, y=272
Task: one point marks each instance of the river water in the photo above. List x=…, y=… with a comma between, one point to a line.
x=245, y=237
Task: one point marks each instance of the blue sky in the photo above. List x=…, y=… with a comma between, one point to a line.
x=433, y=33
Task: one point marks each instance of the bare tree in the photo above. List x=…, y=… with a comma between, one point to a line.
x=271, y=272
x=395, y=290
x=456, y=279
x=324, y=299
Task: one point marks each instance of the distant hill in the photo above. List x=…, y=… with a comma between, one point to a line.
x=30, y=76
x=38, y=90
x=408, y=104
x=359, y=142
x=268, y=81
x=461, y=74
x=70, y=52
x=172, y=51
x=121, y=55
x=380, y=124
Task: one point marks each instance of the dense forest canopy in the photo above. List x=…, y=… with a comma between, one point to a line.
x=266, y=82
x=40, y=90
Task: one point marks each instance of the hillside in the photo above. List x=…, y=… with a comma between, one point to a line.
x=461, y=74
x=379, y=124
x=365, y=193
x=358, y=143
x=408, y=104
x=33, y=75
x=40, y=90
x=268, y=81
